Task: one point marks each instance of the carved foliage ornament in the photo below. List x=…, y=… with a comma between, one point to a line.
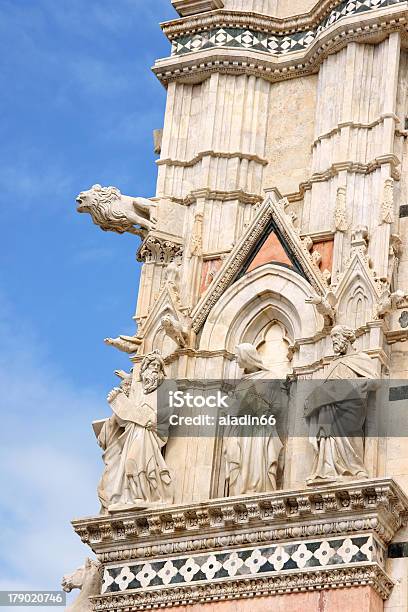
x=158, y=250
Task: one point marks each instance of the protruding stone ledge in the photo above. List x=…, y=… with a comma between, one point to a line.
x=371, y=506
x=192, y=7
x=194, y=59
x=257, y=586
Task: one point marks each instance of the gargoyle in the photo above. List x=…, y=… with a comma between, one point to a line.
x=325, y=306
x=126, y=344
x=115, y=212
x=389, y=301
x=175, y=330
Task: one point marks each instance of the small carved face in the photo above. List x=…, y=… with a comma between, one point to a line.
x=166, y=321
x=152, y=377
x=340, y=342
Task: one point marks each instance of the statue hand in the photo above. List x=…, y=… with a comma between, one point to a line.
x=112, y=395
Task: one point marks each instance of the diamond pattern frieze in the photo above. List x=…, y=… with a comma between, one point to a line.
x=273, y=44
x=243, y=563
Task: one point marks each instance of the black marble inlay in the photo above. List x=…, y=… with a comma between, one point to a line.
x=398, y=393
x=274, y=44
x=398, y=550
x=403, y=211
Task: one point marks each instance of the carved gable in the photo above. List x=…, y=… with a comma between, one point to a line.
x=167, y=303
x=270, y=238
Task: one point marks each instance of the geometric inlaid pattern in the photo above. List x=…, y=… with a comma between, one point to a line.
x=275, y=45
x=246, y=562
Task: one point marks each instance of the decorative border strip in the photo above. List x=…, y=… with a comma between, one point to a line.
x=369, y=27
x=376, y=505
x=242, y=563
x=247, y=38
x=260, y=586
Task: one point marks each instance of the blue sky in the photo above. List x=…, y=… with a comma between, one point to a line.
x=78, y=106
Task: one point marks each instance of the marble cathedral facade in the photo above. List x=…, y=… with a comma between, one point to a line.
x=281, y=213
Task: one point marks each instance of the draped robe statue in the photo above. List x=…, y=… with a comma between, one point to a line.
x=336, y=412
x=252, y=453
x=135, y=475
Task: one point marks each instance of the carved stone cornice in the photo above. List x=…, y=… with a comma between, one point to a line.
x=397, y=335
x=261, y=586
x=255, y=21
x=370, y=27
x=240, y=195
x=191, y=7
x=354, y=125
x=351, y=167
x=376, y=505
x=159, y=248
x=215, y=155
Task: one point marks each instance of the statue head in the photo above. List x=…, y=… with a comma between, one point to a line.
x=81, y=575
x=248, y=358
x=152, y=371
x=88, y=200
x=342, y=337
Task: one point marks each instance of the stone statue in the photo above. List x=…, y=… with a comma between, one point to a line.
x=325, y=306
x=115, y=212
x=88, y=579
x=175, y=330
x=135, y=475
x=126, y=344
x=389, y=301
x=336, y=411
x=252, y=453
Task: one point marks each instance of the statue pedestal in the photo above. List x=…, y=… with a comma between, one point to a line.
x=287, y=549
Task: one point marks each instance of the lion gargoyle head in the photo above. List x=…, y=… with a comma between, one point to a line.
x=115, y=212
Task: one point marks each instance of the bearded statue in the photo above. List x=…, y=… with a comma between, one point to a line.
x=136, y=475
x=336, y=411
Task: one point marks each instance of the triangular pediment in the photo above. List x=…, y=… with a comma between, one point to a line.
x=167, y=302
x=271, y=237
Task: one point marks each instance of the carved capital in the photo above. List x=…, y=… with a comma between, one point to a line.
x=158, y=250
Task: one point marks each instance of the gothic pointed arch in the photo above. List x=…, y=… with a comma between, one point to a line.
x=267, y=295
x=270, y=224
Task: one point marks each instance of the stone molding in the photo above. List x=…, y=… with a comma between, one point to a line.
x=354, y=126
x=231, y=34
x=191, y=7
x=260, y=586
x=330, y=536
x=215, y=155
x=270, y=209
x=256, y=21
x=369, y=27
x=244, y=197
x=351, y=168
x=376, y=505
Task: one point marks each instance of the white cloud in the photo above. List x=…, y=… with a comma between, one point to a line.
x=49, y=462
